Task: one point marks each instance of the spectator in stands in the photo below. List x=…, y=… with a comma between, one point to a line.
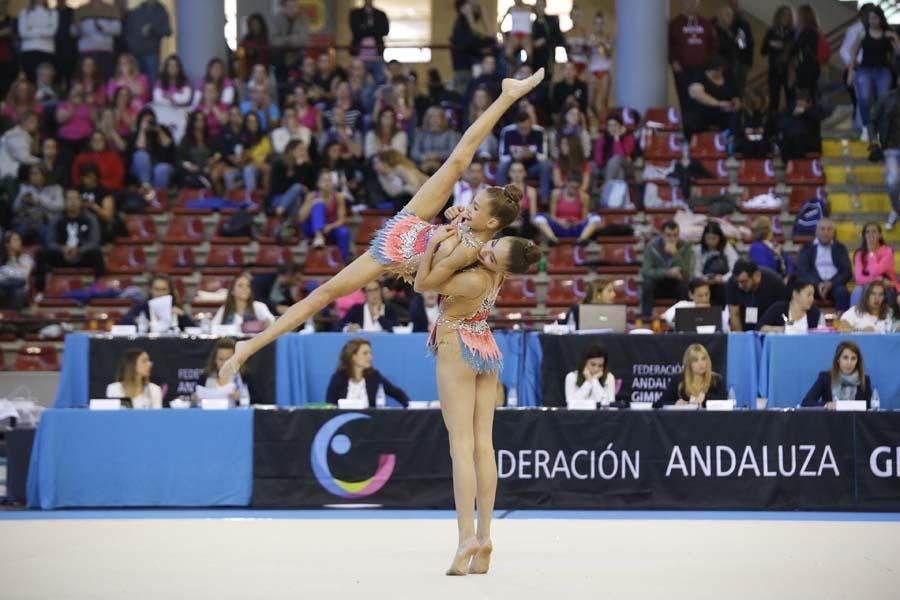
x=255, y=43
x=38, y=203
x=523, y=225
x=262, y=105
x=846, y=380
x=222, y=351
x=872, y=75
x=15, y=272
x=424, y=309
x=55, y=165
x=463, y=44
x=215, y=111
x=134, y=382
x=526, y=143
x=591, y=383
x=160, y=286
x=327, y=75
x=278, y=288
x=576, y=40
x=765, y=251
x=434, y=142
x=128, y=76
x=570, y=214
x=240, y=307
x=290, y=131
x=290, y=34
x=872, y=314
x=699, y=296
x=355, y=379
x=292, y=177
x=692, y=42
x=9, y=69
x=172, y=88
x=571, y=123
x=37, y=30
x=385, y=135
x=614, y=149
x=571, y=159
x=874, y=261
x=47, y=92
x=18, y=147
x=519, y=39
x=198, y=158
x=324, y=215
x=752, y=128
x=307, y=115
x=65, y=43
x=348, y=138
x=372, y=315
x=749, y=294
x=21, y=99
x=714, y=258
x=252, y=159
x=349, y=175
x=73, y=241
x=152, y=152
x=396, y=182
x=546, y=36
x=92, y=83
x=369, y=26
x=697, y=382
x=101, y=201
x=798, y=315
x=825, y=262
x=95, y=25
x=743, y=36
x=470, y=185
x=118, y=121
x=215, y=74
x=668, y=264
x=112, y=171
x=723, y=23
x=777, y=39
x=569, y=88
x=800, y=131
x=712, y=101
x=75, y=118
x=600, y=45
x=803, y=52
x=884, y=133
x=854, y=33
x=489, y=80
x=601, y=291
x=145, y=27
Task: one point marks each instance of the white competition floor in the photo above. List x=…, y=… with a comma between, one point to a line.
x=319, y=555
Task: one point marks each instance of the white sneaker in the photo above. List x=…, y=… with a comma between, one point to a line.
x=864, y=136
x=891, y=221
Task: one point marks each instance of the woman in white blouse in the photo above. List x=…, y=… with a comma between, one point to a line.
x=592, y=384
x=240, y=306
x=134, y=381
x=223, y=350
x=872, y=314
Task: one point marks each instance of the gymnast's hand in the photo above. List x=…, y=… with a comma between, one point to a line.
x=452, y=213
x=443, y=233
x=233, y=364
x=516, y=88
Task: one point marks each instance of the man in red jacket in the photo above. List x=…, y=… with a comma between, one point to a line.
x=692, y=41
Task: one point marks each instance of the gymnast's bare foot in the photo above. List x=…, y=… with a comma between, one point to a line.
x=233, y=364
x=481, y=562
x=516, y=88
x=464, y=552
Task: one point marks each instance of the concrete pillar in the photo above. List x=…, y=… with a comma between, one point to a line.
x=201, y=34
x=641, y=66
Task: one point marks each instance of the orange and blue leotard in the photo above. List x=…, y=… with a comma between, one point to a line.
x=476, y=342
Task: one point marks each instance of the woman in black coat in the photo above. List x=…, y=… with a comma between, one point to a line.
x=847, y=380
x=355, y=376
x=697, y=382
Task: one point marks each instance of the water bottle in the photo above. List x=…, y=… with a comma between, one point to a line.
x=542, y=265
x=732, y=396
x=570, y=322
x=380, y=400
x=512, y=398
x=142, y=324
x=205, y=324
x=875, y=404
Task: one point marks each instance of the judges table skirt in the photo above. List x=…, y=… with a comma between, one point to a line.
x=141, y=458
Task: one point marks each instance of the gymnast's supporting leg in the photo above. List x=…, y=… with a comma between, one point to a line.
x=485, y=468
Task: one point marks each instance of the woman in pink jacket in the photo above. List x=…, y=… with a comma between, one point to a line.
x=874, y=260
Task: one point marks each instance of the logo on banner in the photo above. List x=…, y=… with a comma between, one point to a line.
x=339, y=443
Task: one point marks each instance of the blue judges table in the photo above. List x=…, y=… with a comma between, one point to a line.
x=142, y=458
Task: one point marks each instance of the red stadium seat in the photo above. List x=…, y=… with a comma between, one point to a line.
x=176, y=260
x=112, y=282
x=618, y=259
x=566, y=258
x=800, y=194
x=657, y=219
x=271, y=257
x=185, y=195
x=662, y=118
x=368, y=225
x=185, y=230
x=218, y=238
x=669, y=193
x=662, y=164
x=518, y=291
x=627, y=292
x=267, y=235
x=710, y=145
x=156, y=204
x=564, y=291
x=224, y=260
x=756, y=172
x=663, y=146
x=804, y=172
x=211, y=283
x=718, y=171
x=239, y=195
x=56, y=287
x=141, y=230
x=630, y=117
x=37, y=358
x=126, y=260
x=752, y=191
x=711, y=190
x=619, y=218
x=323, y=261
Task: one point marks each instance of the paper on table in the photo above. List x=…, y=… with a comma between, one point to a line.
x=161, y=311
x=205, y=393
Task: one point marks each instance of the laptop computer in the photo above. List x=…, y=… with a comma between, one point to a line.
x=613, y=317
x=688, y=320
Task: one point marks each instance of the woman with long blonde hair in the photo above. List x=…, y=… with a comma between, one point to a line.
x=697, y=382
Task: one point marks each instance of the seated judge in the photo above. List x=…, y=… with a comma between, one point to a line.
x=160, y=285
x=700, y=294
x=602, y=291
x=355, y=378
x=240, y=307
x=133, y=381
x=872, y=314
x=222, y=351
x=847, y=380
x=798, y=315
x=697, y=382
x=423, y=311
x=372, y=315
x=591, y=381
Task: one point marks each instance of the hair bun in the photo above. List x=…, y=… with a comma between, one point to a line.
x=513, y=194
x=532, y=253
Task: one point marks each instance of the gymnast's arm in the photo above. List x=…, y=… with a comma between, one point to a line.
x=431, y=276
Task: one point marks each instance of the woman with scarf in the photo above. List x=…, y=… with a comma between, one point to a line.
x=847, y=380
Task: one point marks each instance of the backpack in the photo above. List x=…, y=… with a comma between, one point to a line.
x=240, y=224
x=823, y=51
x=715, y=264
x=811, y=212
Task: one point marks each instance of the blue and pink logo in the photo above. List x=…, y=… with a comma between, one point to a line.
x=326, y=438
